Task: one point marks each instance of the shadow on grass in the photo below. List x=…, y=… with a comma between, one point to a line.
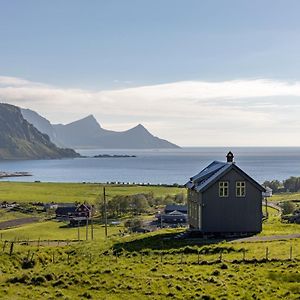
x=166, y=241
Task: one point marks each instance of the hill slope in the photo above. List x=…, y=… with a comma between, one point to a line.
x=21, y=140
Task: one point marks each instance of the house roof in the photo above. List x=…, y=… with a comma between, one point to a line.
x=173, y=207
x=209, y=175
x=65, y=210
x=83, y=206
x=176, y=213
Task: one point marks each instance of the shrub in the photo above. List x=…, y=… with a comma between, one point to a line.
x=288, y=207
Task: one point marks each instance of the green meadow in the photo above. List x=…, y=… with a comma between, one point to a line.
x=155, y=265
x=71, y=192
x=285, y=197
x=136, y=267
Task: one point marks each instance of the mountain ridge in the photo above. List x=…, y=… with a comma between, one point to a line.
x=19, y=139
x=88, y=133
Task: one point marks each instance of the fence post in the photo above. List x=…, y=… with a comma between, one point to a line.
x=78, y=232
x=11, y=248
x=4, y=245
x=198, y=257
x=53, y=257
x=28, y=254
x=244, y=254
x=220, y=256
x=291, y=252
x=267, y=253
x=68, y=258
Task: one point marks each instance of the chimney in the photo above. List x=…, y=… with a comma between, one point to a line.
x=230, y=157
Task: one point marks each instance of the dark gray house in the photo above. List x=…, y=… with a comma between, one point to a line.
x=222, y=198
x=174, y=214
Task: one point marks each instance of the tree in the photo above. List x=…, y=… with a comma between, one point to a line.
x=180, y=198
x=292, y=184
x=139, y=203
x=169, y=199
x=274, y=185
x=133, y=223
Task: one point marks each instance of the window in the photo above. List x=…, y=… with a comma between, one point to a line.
x=240, y=188
x=223, y=188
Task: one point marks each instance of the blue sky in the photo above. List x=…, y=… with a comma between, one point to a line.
x=100, y=47
x=104, y=43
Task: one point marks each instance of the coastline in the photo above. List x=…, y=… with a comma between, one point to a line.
x=13, y=174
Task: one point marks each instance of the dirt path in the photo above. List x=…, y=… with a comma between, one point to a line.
x=17, y=222
x=267, y=238
x=273, y=205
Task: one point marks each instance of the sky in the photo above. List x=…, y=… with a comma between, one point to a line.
x=198, y=73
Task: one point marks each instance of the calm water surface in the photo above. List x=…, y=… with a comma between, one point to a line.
x=158, y=166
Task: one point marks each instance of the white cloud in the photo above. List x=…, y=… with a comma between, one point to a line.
x=236, y=112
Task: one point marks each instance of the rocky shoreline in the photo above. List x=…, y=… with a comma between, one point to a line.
x=14, y=174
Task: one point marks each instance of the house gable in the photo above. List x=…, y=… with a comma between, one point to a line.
x=222, y=198
x=227, y=167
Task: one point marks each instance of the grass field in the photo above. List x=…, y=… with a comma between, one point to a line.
x=71, y=192
x=91, y=271
x=148, y=266
x=5, y=216
x=274, y=226
x=285, y=197
x=53, y=230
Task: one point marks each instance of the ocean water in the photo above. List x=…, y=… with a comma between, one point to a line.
x=158, y=166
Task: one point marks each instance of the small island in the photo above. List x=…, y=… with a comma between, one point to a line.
x=13, y=174
x=113, y=156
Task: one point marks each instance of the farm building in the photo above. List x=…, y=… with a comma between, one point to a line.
x=65, y=210
x=174, y=214
x=82, y=215
x=223, y=199
x=68, y=211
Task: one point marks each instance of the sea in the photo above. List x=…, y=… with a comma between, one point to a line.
x=157, y=166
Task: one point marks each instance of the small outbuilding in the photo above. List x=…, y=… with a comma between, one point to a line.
x=223, y=199
x=174, y=214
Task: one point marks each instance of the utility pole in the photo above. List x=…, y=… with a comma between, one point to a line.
x=87, y=228
x=78, y=231
x=105, y=211
x=92, y=229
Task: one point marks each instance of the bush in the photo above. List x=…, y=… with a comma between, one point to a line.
x=288, y=207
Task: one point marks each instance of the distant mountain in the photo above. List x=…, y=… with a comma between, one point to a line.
x=87, y=133
x=82, y=133
x=21, y=140
x=137, y=137
x=42, y=124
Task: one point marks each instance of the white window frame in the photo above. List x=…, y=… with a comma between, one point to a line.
x=240, y=189
x=223, y=189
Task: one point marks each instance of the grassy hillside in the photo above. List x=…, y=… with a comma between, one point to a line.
x=91, y=271
x=71, y=192
x=139, y=266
